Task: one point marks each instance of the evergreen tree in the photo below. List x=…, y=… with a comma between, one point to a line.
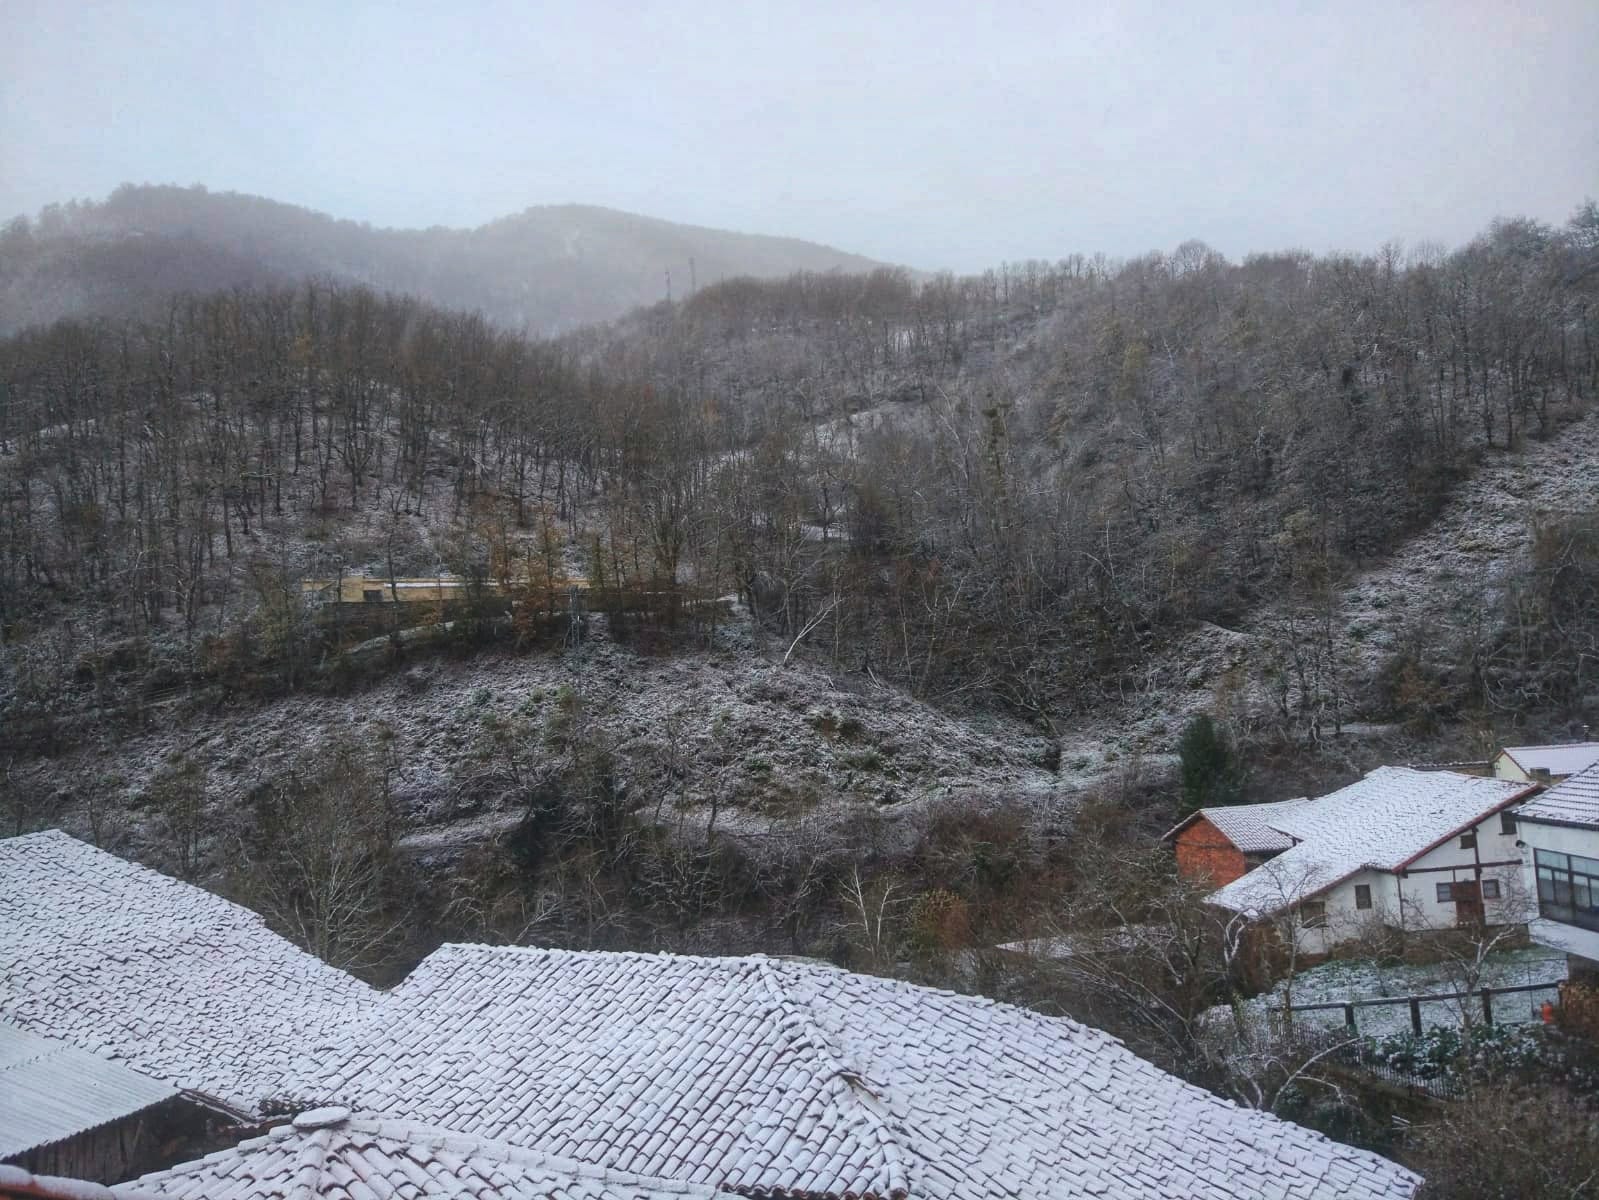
x=1210, y=773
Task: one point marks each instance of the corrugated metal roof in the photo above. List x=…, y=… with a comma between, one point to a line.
x=1563, y=759
x=50, y=1091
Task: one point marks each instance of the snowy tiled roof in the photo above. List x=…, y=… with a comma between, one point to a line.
x=332, y=1154
x=1564, y=759
x=1573, y=801
x=1382, y=821
x=755, y=1075
x=50, y=1091
x=131, y=965
x=1253, y=827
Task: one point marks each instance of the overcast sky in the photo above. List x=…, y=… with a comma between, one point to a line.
x=933, y=134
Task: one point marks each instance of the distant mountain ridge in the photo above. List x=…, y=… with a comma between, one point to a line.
x=546, y=269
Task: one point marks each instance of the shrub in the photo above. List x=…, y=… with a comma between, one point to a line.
x=1510, y=1142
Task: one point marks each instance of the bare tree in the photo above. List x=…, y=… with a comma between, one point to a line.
x=318, y=863
x=872, y=919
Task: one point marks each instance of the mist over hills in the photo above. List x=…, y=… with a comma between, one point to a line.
x=546, y=270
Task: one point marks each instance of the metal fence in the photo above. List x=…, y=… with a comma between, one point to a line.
x=1359, y=1053
x=1482, y=996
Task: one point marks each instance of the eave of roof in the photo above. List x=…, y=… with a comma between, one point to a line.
x=51, y=1091
x=1196, y=815
x=14, y=1181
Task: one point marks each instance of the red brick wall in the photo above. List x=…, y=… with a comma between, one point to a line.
x=1205, y=855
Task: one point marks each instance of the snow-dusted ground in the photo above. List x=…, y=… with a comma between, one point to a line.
x=1476, y=539
x=1437, y=582
x=1338, y=982
x=768, y=744
x=771, y=745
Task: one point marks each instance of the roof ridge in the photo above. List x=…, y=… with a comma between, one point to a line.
x=854, y=1080
x=43, y=835
x=563, y=951
x=1550, y=745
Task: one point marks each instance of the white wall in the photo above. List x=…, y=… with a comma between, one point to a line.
x=1563, y=839
x=1516, y=904
x=1504, y=767
x=1410, y=902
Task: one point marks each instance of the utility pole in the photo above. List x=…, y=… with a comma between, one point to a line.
x=669, y=286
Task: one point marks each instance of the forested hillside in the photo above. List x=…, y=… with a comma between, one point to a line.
x=1006, y=489
x=869, y=546
x=543, y=270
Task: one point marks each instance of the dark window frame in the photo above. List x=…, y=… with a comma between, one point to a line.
x=1568, y=888
x=1313, y=914
x=1363, y=895
x=1444, y=893
x=1490, y=889
x=372, y=595
x=1507, y=823
x=1468, y=841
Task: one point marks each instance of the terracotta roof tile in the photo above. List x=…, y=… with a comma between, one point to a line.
x=361, y=1156
x=132, y=965
x=771, y=1077
x=594, y=1076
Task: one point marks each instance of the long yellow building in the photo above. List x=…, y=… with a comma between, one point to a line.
x=434, y=589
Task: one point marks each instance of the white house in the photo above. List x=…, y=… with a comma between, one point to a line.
x=1560, y=846
x=1401, y=849
x=1544, y=764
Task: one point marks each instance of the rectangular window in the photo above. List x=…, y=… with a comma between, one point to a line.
x=1313, y=913
x=1568, y=888
x=372, y=595
x=1507, y=822
x=1446, y=893
x=1468, y=841
x=1362, y=895
x=1490, y=889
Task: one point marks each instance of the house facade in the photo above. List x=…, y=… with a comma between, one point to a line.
x=1559, y=841
x=1455, y=884
x=1401, y=850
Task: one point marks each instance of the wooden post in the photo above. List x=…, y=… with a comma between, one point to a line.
x=574, y=606
x=1349, y=1017
x=1415, y=1016
x=1487, y=1006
